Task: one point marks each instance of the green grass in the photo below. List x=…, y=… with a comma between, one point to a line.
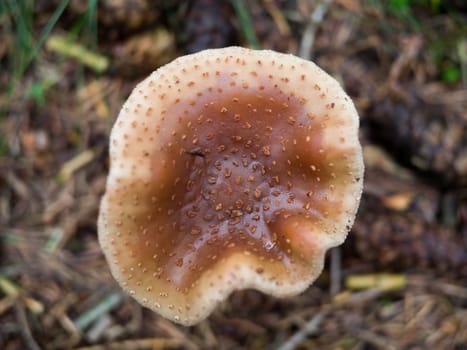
x=17, y=19
x=18, y=16
x=416, y=17
x=246, y=23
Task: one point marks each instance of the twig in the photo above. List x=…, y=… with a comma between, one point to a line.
x=139, y=344
x=208, y=335
x=25, y=329
x=358, y=298
x=278, y=17
x=309, y=328
x=63, y=46
x=174, y=332
x=20, y=188
x=8, y=287
x=315, y=19
x=376, y=340
x=384, y=281
x=74, y=164
x=6, y=303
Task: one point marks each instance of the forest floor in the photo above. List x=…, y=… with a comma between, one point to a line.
x=400, y=279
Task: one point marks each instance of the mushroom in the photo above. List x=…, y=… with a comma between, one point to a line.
x=230, y=169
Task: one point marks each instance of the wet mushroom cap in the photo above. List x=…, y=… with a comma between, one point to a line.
x=230, y=169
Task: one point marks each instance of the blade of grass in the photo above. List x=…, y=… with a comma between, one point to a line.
x=246, y=23
x=46, y=32
x=18, y=23
x=91, y=24
x=88, y=317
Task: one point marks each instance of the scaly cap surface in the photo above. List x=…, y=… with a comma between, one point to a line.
x=230, y=169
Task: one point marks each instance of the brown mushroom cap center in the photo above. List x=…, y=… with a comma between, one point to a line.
x=238, y=169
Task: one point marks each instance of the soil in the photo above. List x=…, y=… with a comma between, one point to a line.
x=398, y=282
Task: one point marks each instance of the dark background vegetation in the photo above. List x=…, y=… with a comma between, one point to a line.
x=400, y=279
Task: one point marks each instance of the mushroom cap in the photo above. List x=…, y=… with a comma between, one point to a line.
x=230, y=169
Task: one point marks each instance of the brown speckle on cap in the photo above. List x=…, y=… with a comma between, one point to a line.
x=238, y=171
